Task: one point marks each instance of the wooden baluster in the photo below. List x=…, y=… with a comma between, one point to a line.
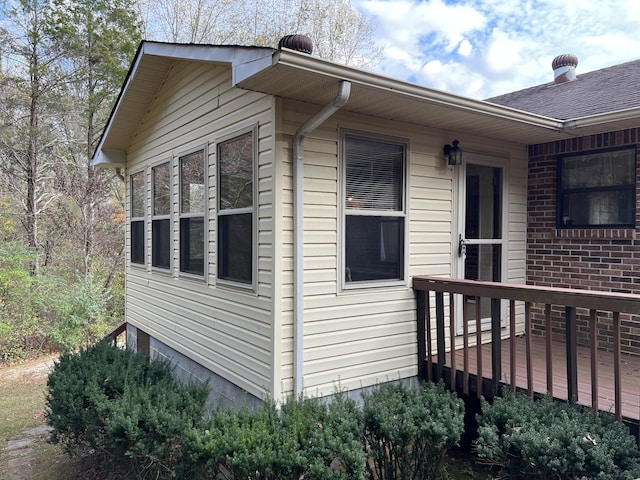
x=465, y=340
x=496, y=345
x=440, y=340
x=427, y=310
x=527, y=339
x=593, y=318
x=549, y=347
x=479, y=376
x=571, y=333
x=616, y=365
x=452, y=338
x=421, y=331
x=512, y=345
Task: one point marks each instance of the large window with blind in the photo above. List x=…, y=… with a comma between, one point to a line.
x=597, y=189
x=137, y=194
x=236, y=208
x=374, y=209
x=161, y=219
x=192, y=213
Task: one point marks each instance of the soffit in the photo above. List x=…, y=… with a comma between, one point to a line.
x=140, y=90
x=308, y=79
x=402, y=106
x=297, y=76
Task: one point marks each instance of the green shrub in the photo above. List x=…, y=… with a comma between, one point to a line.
x=132, y=411
x=545, y=439
x=20, y=331
x=76, y=312
x=409, y=430
x=307, y=438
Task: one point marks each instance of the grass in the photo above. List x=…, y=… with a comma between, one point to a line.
x=22, y=401
x=22, y=404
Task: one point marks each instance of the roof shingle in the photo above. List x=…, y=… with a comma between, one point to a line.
x=601, y=91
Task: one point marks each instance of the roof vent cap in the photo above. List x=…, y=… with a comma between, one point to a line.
x=299, y=43
x=564, y=68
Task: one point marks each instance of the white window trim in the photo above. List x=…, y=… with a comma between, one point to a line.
x=142, y=219
x=200, y=277
x=253, y=130
x=162, y=217
x=345, y=286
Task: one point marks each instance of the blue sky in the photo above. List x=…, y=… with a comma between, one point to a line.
x=482, y=48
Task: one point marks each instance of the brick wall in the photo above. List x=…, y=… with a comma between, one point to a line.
x=595, y=259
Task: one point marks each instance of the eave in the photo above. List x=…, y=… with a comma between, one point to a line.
x=298, y=76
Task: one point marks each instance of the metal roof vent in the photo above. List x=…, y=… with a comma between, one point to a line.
x=564, y=68
x=299, y=43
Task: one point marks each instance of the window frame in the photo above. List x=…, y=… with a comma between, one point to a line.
x=402, y=213
x=561, y=192
x=224, y=212
x=138, y=219
x=162, y=217
x=182, y=216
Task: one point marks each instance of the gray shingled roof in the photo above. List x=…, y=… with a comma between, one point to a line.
x=601, y=91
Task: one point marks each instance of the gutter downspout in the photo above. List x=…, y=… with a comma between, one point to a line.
x=298, y=220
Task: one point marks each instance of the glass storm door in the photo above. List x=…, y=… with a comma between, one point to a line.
x=481, y=243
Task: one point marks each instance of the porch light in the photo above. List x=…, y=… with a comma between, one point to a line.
x=453, y=153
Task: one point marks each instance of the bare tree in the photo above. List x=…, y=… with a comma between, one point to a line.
x=339, y=32
x=97, y=39
x=27, y=140
x=191, y=21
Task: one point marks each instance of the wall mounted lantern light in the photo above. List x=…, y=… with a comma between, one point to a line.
x=453, y=153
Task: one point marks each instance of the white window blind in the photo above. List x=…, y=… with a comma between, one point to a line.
x=374, y=172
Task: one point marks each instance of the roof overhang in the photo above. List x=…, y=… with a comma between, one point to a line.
x=149, y=68
x=298, y=76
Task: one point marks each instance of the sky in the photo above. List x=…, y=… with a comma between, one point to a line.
x=484, y=48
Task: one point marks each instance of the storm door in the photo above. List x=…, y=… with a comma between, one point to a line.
x=481, y=242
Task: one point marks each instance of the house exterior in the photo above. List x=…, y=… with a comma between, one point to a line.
x=582, y=215
x=278, y=206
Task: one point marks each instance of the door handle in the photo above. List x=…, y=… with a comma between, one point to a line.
x=462, y=246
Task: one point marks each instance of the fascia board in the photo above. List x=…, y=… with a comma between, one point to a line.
x=381, y=82
x=602, y=119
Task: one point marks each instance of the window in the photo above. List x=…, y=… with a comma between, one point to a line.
x=235, y=209
x=161, y=221
x=137, y=217
x=597, y=189
x=374, y=209
x=192, y=207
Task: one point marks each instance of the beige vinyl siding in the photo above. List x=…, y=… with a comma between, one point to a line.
x=228, y=330
x=356, y=338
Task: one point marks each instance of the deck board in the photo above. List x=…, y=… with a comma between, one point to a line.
x=629, y=366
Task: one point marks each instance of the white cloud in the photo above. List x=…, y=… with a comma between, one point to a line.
x=501, y=51
x=465, y=48
x=483, y=48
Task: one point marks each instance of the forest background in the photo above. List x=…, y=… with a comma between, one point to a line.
x=62, y=65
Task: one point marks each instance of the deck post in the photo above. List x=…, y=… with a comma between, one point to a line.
x=572, y=354
x=496, y=345
x=440, y=334
x=421, y=331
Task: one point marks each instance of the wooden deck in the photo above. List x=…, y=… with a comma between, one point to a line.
x=629, y=368
x=602, y=380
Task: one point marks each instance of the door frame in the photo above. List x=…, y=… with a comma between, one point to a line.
x=459, y=179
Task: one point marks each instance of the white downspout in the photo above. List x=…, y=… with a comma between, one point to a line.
x=298, y=227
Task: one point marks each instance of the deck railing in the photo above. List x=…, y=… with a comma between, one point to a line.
x=596, y=302
x=113, y=335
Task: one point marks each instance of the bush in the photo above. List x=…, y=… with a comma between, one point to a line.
x=20, y=331
x=308, y=438
x=409, y=430
x=131, y=411
x=76, y=312
x=544, y=439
